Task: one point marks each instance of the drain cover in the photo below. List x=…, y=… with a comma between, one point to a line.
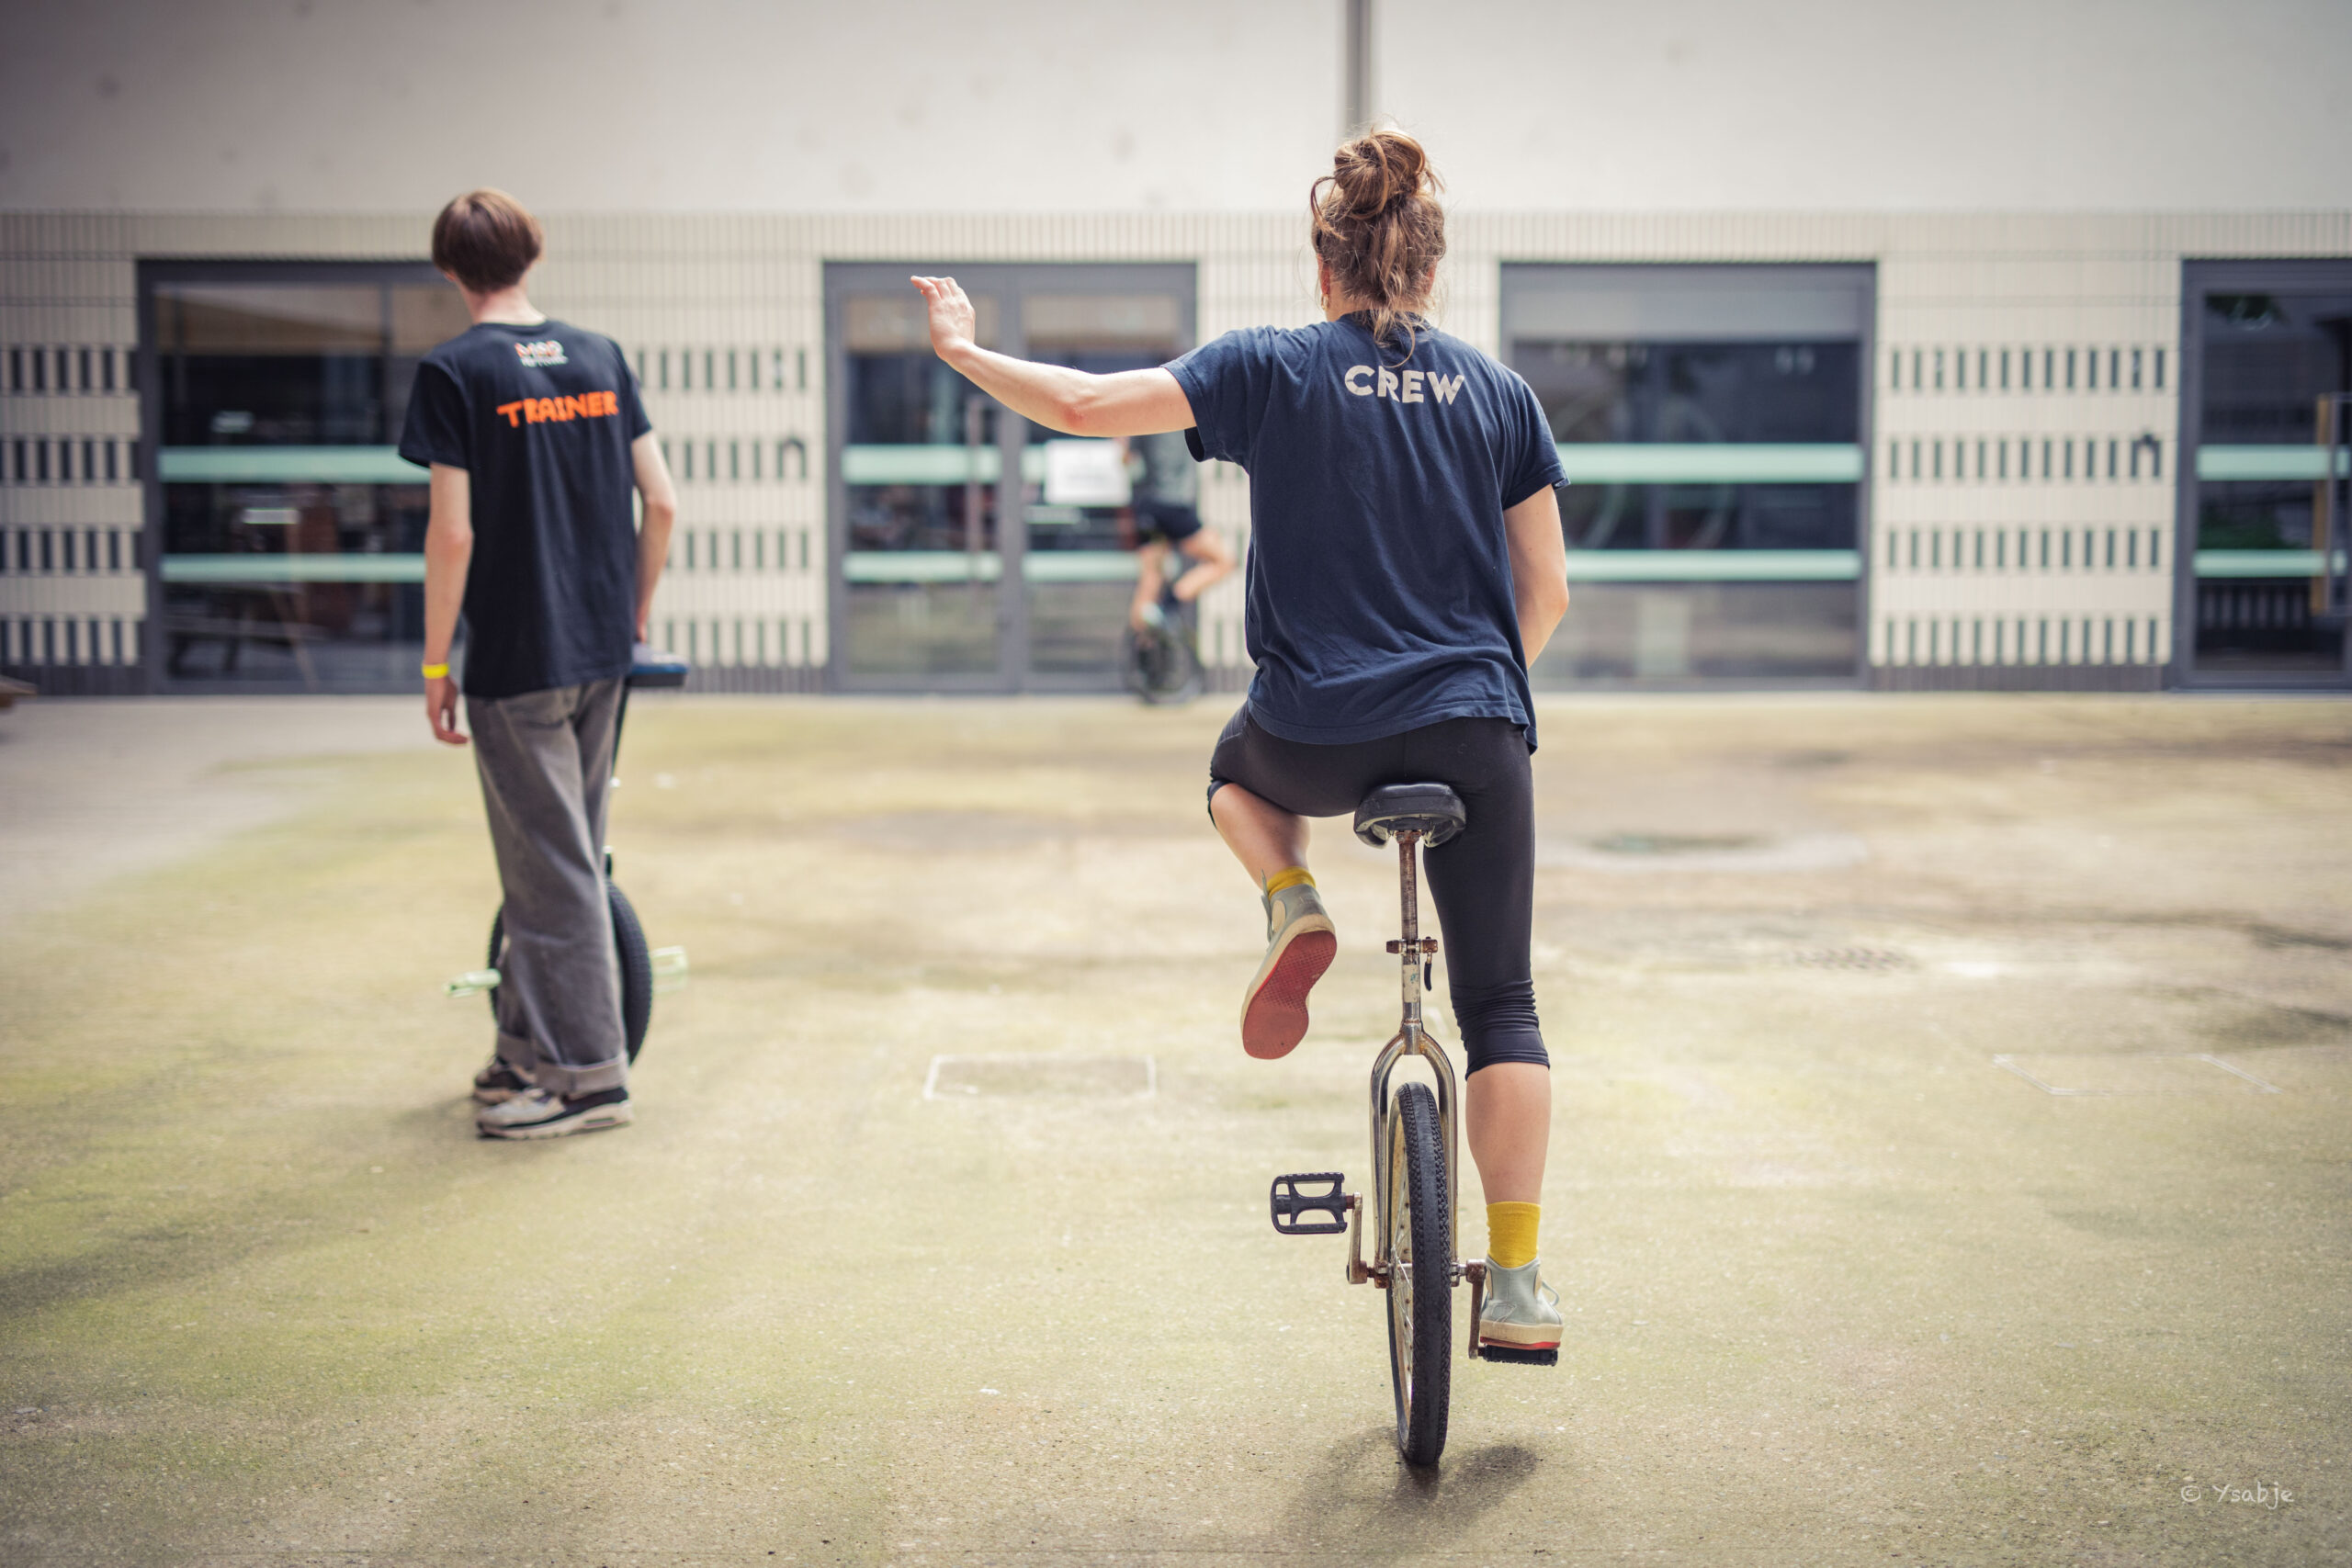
x=1010, y=1076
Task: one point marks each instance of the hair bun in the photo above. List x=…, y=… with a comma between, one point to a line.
x=1378, y=230
x=1379, y=169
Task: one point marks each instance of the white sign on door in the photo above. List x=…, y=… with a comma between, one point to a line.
x=1085, y=473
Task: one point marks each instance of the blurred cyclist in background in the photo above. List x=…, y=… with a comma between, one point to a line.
x=1167, y=512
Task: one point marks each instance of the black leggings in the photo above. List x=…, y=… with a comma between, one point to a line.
x=1482, y=880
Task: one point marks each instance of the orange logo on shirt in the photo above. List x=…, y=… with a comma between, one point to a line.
x=544, y=410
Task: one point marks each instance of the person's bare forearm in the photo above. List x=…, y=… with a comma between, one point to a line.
x=1539, y=569
x=657, y=498
x=1540, y=609
x=1050, y=395
x=653, y=552
x=1128, y=402
x=449, y=557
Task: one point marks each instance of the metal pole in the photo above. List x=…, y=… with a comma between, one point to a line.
x=1355, y=106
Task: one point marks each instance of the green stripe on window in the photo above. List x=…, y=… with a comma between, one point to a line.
x=2259, y=563
x=286, y=465
x=292, y=568
x=1715, y=566
x=2225, y=465
x=1720, y=462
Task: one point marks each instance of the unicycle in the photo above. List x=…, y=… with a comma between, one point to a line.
x=643, y=969
x=1415, y=1153
x=1162, y=665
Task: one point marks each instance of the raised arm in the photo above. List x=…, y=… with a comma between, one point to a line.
x=1131, y=403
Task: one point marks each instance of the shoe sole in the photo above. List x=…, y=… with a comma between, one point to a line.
x=595, y=1118
x=1505, y=1336
x=1274, y=1020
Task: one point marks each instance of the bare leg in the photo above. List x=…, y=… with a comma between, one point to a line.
x=1149, y=577
x=1212, y=560
x=1506, y=1111
x=1263, y=837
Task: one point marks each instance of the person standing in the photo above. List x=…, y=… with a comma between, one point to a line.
x=535, y=440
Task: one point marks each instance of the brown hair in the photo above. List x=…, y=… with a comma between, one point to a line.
x=1378, y=227
x=486, y=240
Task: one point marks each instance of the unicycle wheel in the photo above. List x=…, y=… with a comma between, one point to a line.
x=1161, y=666
x=1421, y=1274
x=634, y=957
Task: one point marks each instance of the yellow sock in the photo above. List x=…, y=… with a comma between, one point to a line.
x=1510, y=1232
x=1290, y=878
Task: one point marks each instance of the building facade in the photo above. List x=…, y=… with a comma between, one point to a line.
x=2021, y=451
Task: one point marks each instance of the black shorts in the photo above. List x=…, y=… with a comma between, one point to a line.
x=1482, y=880
x=1169, y=520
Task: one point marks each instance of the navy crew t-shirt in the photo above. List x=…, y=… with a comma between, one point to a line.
x=1379, y=582
x=540, y=418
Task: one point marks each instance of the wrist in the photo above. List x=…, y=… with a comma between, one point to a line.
x=435, y=668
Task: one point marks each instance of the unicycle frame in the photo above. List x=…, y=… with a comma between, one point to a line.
x=1414, y=952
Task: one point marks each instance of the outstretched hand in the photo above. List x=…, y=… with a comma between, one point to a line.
x=953, y=321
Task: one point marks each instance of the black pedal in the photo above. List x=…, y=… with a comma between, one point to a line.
x=1296, y=1198
x=1525, y=1358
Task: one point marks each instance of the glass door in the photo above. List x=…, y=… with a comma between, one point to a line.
x=291, y=534
x=974, y=551
x=2267, y=347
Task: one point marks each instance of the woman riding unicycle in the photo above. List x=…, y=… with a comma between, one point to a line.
x=1406, y=566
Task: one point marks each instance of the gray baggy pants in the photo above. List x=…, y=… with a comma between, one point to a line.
x=546, y=761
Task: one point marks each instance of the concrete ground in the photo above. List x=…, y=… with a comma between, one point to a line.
x=1849, y=1277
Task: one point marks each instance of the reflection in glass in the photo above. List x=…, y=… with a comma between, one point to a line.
x=1700, y=393
x=1694, y=391
x=1078, y=622
x=316, y=584
x=1708, y=517
x=934, y=611
x=923, y=628
x=923, y=517
x=294, y=365
x=2267, y=359
x=283, y=594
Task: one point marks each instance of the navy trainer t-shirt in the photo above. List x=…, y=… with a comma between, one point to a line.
x=540, y=418
x=1379, y=582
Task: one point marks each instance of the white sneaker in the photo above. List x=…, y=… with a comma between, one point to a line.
x=536, y=1113
x=1520, y=1313
x=498, y=1083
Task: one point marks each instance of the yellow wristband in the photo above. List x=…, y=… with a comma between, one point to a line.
x=436, y=672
